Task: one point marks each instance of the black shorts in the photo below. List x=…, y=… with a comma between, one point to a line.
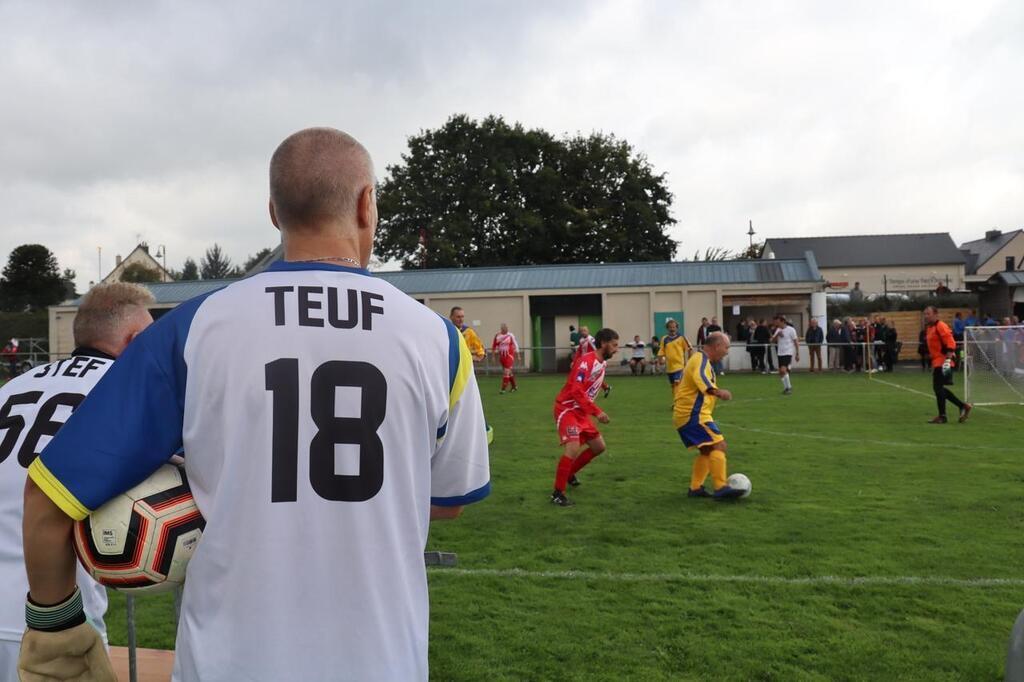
x=784, y=360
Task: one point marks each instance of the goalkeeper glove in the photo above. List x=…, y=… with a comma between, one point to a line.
x=947, y=365
x=60, y=645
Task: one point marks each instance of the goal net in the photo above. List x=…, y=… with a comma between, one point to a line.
x=994, y=365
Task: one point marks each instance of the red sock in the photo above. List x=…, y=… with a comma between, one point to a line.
x=582, y=460
x=512, y=380
x=563, y=473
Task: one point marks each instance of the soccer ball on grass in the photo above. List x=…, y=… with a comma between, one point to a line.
x=740, y=482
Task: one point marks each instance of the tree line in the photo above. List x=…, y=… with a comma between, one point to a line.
x=33, y=279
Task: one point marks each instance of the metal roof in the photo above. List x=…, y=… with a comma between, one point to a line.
x=541, y=277
x=600, y=276
x=983, y=249
x=1014, y=278
x=871, y=250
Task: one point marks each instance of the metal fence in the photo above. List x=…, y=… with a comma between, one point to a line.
x=862, y=356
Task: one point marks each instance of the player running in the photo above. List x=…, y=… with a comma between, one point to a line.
x=672, y=353
x=573, y=408
x=327, y=418
x=587, y=344
x=506, y=348
x=33, y=407
x=693, y=419
x=789, y=350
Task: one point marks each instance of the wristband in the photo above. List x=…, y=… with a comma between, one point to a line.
x=56, y=617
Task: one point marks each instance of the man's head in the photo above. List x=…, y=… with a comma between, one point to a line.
x=111, y=315
x=457, y=316
x=607, y=342
x=584, y=330
x=856, y=285
x=958, y=315
x=703, y=321
x=636, y=338
x=671, y=326
x=716, y=346
x=836, y=322
x=931, y=315
x=572, y=328
x=814, y=323
x=714, y=320
x=504, y=328
x=322, y=188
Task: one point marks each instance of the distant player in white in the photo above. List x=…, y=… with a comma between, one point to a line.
x=33, y=407
x=326, y=418
x=788, y=348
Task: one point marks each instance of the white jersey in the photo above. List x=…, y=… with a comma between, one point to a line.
x=639, y=350
x=322, y=412
x=787, y=339
x=33, y=407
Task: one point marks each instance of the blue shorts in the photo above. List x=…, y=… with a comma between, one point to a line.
x=694, y=434
x=675, y=377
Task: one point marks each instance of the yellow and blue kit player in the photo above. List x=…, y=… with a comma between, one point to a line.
x=673, y=351
x=692, y=416
x=475, y=345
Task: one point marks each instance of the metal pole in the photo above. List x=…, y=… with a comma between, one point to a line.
x=133, y=672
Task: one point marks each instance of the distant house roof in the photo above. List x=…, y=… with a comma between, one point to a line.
x=870, y=250
x=980, y=251
x=539, y=277
x=1013, y=278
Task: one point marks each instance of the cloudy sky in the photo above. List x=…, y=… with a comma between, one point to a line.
x=157, y=119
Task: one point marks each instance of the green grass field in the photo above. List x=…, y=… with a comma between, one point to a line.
x=874, y=546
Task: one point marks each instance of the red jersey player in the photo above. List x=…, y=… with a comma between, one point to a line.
x=586, y=345
x=574, y=406
x=505, y=347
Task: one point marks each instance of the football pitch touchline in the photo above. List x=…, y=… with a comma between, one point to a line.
x=858, y=441
x=987, y=410
x=856, y=581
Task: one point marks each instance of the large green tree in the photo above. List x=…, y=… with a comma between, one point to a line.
x=32, y=280
x=474, y=193
x=215, y=264
x=189, y=271
x=139, y=273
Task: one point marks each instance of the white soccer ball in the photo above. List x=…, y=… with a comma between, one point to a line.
x=142, y=540
x=740, y=482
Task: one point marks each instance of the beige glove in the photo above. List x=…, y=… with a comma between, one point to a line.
x=75, y=654
x=60, y=646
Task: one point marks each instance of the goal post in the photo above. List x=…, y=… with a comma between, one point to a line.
x=994, y=365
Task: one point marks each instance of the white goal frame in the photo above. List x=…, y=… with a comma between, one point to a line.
x=974, y=355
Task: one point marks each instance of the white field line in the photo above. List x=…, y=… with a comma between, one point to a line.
x=858, y=581
x=857, y=441
x=986, y=410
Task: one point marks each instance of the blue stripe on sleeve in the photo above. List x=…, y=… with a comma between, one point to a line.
x=703, y=366
x=131, y=422
x=470, y=497
x=453, y=351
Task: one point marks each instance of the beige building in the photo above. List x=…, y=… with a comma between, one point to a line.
x=995, y=270
x=539, y=303
x=899, y=263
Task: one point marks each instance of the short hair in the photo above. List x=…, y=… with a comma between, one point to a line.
x=454, y=308
x=932, y=308
x=605, y=335
x=105, y=308
x=317, y=174
x=715, y=338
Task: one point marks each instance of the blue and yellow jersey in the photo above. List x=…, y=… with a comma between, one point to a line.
x=476, y=346
x=674, y=349
x=692, y=403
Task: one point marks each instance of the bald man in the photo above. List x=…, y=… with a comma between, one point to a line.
x=327, y=418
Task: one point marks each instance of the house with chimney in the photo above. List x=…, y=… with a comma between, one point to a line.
x=995, y=270
x=138, y=258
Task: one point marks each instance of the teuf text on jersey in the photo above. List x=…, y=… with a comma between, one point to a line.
x=309, y=306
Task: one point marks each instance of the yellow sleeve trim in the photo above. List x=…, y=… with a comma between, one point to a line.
x=56, y=491
x=463, y=374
